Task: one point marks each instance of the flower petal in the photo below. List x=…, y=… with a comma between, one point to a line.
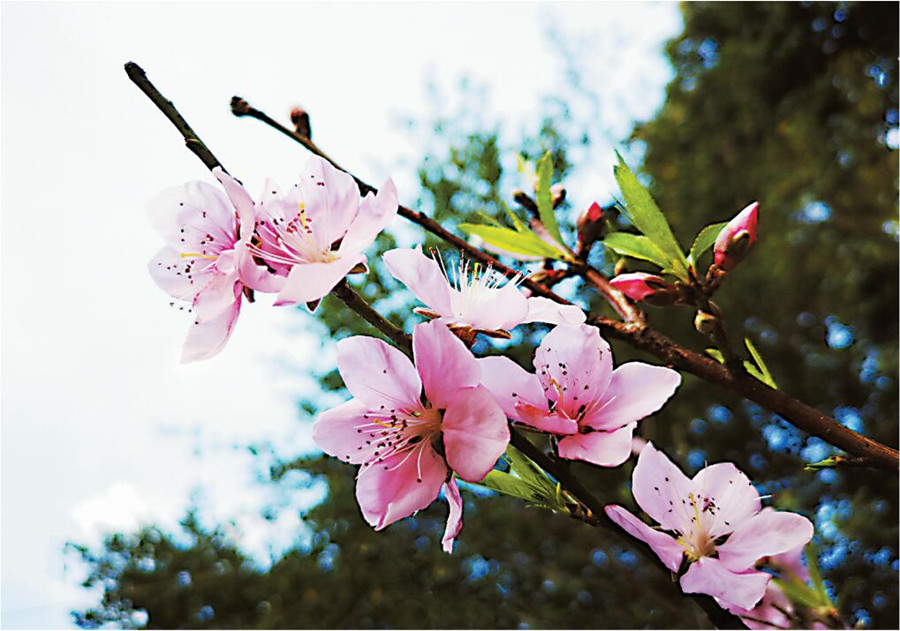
x=663, y=545
x=208, y=337
x=240, y=199
x=311, y=281
x=329, y=199
x=769, y=532
x=490, y=309
x=191, y=216
x=635, y=390
x=574, y=365
x=378, y=374
x=217, y=297
x=475, y=433
x=444, y=363
x=454, y=519
x=375, y=213
x=545, y=310
x=256, y=277
x=736, y=499
x=540, y=419
x=607, y=449
x=179, y=277
x=710, y=576
x=422, y=275
x=400, y=485
x=510, y=384
x=661, y=490
x=336, y=432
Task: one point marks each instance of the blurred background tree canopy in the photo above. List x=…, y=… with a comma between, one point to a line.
x=791, y=104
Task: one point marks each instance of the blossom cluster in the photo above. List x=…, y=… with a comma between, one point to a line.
x=417, y=425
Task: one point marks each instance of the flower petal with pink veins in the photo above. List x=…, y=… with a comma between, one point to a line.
x=256, y=277
x=240, y=199
x=378, y=374
x=217, y=297
x=454, y=519
x=208, y=337
x=400, y=485
x=635, y=390
x=574, y=365
x=664, y=546
x=444, y=363
x=540, y=419
x=490, y=309
x=168, y=270
x=710, y=576
x=736, y=499
x=607, y=449
x=184, y=215
x=422, y=275
x=475, y=433
x=311, y=281
x=375, y=213
x=511, y=384
x=330, y=199
x=661, y=490
x=545, y=310
x=335, y=432
x=769, y=532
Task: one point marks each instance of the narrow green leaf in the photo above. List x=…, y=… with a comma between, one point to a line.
x=766, y=376
x=716, y=354
x=647, y=217
x=517, y=223
x=526, y=481
x=508, y=239
x=544, y=198
x=490, y=221
x=829, y=463
x=799, y=593
x=704, y=241
x=510, y=485
x=815, y=575
x=636, y=246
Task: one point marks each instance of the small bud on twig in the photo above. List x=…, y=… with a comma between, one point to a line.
x=736, y=238
x=557, y=194
x=591, y=226
x=239, y=106
x=705, y=323
x=300, y=119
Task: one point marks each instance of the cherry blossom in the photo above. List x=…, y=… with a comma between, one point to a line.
x=736, y=238
x=312, y=236
x=472, y=296
x=715, y=521
x=577, y=396
x=412, y=427
x=198, y=264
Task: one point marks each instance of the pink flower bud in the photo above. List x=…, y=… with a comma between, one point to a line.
x=639, y=286
x=591, y=226
x=736, y=238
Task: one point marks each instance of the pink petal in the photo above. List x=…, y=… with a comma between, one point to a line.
x=748, y=220
x=336, y=432
x=661, y=490
x=637, y=285
x=576, y=361
x=511, y=384
x=217, y=297
x=791, y=563
x=330, y=199
x=539, y=418
x=635, y=390
x=475, y=433
x=492, y=309
x=422, y=275
x=607, y=449
x=375, y=213
x=208, y=337
x=198, y=208
x=240, y=199
x=400, y=485
x=709, y=576
x=444, y=363
x=378, y=374
x=768, y=614
x=735, y=496
x=769, y=532
x=168, y=270
x=664, y=546
x=256, y=277
x=545, y=310
x=311, y=281
x=454, y=519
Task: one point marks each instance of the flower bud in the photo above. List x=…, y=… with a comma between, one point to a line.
x=591, y=226
x=705, y=322
x=557, y=194
x=645, y=287
x=300, y=119
x=736, y=238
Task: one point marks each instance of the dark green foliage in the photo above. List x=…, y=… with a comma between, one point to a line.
x=789, y=104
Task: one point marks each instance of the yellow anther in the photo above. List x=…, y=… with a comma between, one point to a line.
x=197, y=255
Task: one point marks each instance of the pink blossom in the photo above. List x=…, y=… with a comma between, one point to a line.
x=199, y=263
x=312, y=236
x=715, y=520
x=736, y=238
x=476, y=297
x=638, y=285
x=578, y=396
x=413, y=426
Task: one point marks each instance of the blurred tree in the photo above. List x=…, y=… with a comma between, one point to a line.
x=792, y=104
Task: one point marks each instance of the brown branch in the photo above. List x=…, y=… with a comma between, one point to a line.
x=617, y=300
x=357, y=303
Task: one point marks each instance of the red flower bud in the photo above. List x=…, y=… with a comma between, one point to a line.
x=591, y=226
x=640, y=286
x=736, y=238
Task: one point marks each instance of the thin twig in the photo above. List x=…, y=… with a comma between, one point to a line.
x=357, y=303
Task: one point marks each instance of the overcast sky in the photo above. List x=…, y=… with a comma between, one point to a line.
x=101, y=427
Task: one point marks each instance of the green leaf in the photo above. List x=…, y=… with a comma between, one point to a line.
x=519, y=242
x=815, y=575
x=636, y=246
x=829, y=463
x=508, y=484
x=489, y=221
x=704, y=241
x=647, y=218
x=525, y=481
x=799, y=593
x=763, y=374
x=545, y=198
x=517, y=223
x=716, y=354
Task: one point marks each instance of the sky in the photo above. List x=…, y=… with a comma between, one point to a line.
x=102, y=428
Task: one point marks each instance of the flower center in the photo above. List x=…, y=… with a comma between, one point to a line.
x=471, y=283
x=697, y=541
x=393, y=436
x=290, y=242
